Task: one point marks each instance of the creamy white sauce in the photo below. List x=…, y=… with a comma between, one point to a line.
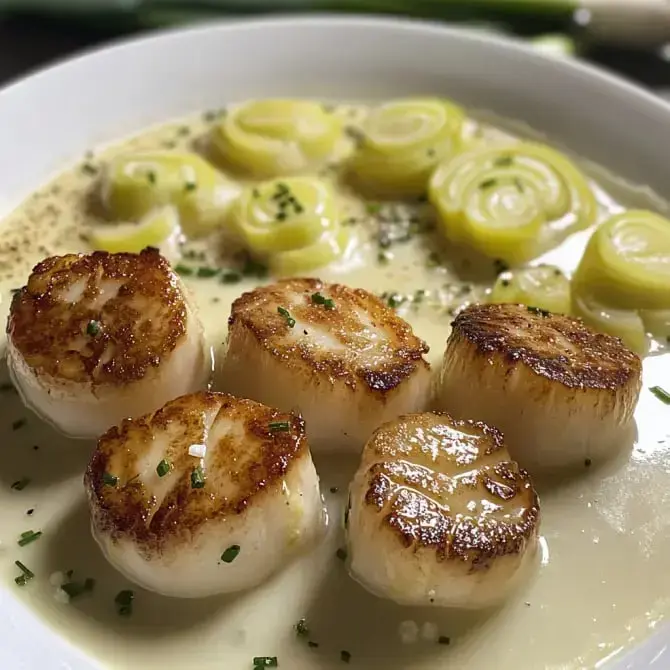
x=602, y=576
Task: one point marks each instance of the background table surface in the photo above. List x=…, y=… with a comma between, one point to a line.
x=28, y=44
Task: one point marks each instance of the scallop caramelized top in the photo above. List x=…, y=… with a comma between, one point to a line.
x=340, y=355
x=170, y=492
x=105, y=330
x=560, y=392
x=439, y=514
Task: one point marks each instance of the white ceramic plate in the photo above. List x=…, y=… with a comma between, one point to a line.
x=52, y=117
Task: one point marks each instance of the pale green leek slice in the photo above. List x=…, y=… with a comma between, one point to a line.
x=543, y=286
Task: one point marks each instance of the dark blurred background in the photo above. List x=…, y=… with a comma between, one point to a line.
x=29, y=40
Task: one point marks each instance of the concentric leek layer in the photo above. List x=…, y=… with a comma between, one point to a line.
x=269, y=138
x=543, y=286
x=136, y=183
x=292, y=224
x=626, y=264
x=511, y=202
x=402, y=143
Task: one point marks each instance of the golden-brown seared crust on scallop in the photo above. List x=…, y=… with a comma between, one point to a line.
x=450, y=486
x=353, y=326
x=246, y=458
x=100, y=317
x=556, y=347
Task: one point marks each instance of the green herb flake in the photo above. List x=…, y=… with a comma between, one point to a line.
x=503, y=161
x=290, y=321
x=93, y=328
x=89, y=169
x=265, y=662
x=419, y=295
x=312, y=645
x=253, y=268
x=76, y=589
x=661, y=394
x=341, y=553
x=29, y=536
x=124, y=602
x=26, y=576
x=345, y=656
x=190, y=186
x=20, y=484
x=279, y=426
x=500, y=266
x=230, y=554
x=373, y=208
x=487, y=183
x=587, y=462
x=443, y=639
x=334, y=489
x=301, y=628
x=151, y=177
x=206, y=273
x=395, y=300
x=163, y=468
x=184, y=270
x=18, y=424
x=231, y=277
x=319, y=299
x=198, y=478
x=384, y=257
x=109, y=479
x=433, y=260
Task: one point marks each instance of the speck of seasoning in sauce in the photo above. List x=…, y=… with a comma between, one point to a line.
x=28, y=536
x=76, y=589
x=395, y=300
x=20, y=484
x=7, y=387
x=18, y=424
x=587, y=462
x=345, y=656
x=197, y=478
x=207, y=272
x=430, y=153
x=373, y=208
x=301, y=628
x=334, y=489
x=30, y=512
x=279, y=426
x=505, y=283
x=190, y=186
x=487, y=183
x=89, y=169
x=433, y=260
x=124, y=602
x=231, y=277
x=184, y=270
x=384, y=257
x=253, y=268
x=26, y=576
x=539, y=311
x=230, y=554
x=443, y=639
x=183, y=131
x=265, y=662
x=319, y=299
x=312, y=644
x=661, y=394
x=151, y=177
x=93, y=328
x=163, y=468
x=500, y=266
x=290, y=321
x=109, y=479
x=341, y=553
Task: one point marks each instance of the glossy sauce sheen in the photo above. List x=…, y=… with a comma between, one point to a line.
x=605, y=531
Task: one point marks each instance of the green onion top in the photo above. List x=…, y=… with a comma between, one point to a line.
x=301, y=628
x=26, y=576
x=163, y=468
x=279, y=426
x=28, y=536
x=290, y=321
x=184, y=270
x=124, y=602
x=20, y=484
x=206, y=272
x=109, y=479
x=230, y=554
x=265, y=662
x=93, y=328
x=319, y=299
x=661, y=394
x=198, y=478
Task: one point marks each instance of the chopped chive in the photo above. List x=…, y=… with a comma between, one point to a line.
x=19, y=423
x=206, y=272
x=151, y=177
x=124, y=602
x=253, y=268
x=312, y=644
x=290, y=321
x=26, y=576
x=231, y=277
x=190, y=186
x=541, y=312
x=443, y=639
x=395, y=300
x=334, y=489
x=345, y=656
x=384, y=257
x=587, y=462
x=301, y=628
x=20, y=484
x=487, y=183
x=76, y=589
x=197, y=478
x=341, y=553
x=319, y=299
x=89, y=169
x=373, y=208
x=279, y=426
x=28, y=536
x=661, y=394
x=230, y=554
x=184, y=270
x=265, y=662
x=30, y=511
x=503, y=161
x=433, y=260
x=163, y=468
x=109, y=479
x=420, y=294
x=280, y=216
x=93, y=328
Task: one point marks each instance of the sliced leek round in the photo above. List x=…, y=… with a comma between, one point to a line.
x=543, y=286
x=403, y=141
x=627, y=261
x=284, y=214
x=154, y=230
x=657, y=323
x=511, y=202
x=136, y=183
x=332, y=246
x=269, y=138
x=626, y=324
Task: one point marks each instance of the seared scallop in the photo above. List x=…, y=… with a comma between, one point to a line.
x=561, y=393
x=338, y=355
x=440, y=515
x=210, y=494
x=93, y=339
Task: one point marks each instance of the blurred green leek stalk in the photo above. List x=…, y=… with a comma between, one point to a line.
x=625, y=21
